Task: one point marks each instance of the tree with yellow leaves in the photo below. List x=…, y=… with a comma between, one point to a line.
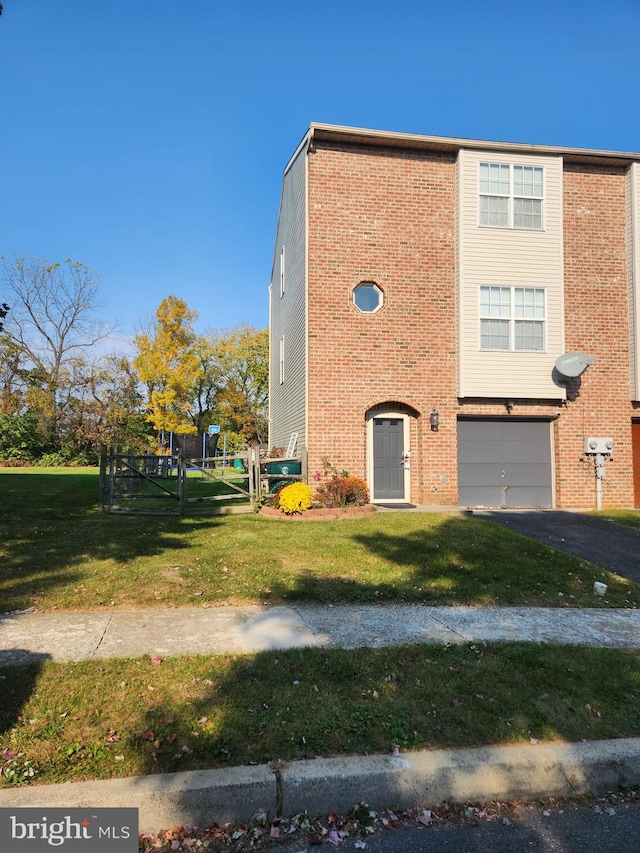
x=167, y=363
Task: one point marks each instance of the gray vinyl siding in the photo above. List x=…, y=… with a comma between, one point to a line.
x=287, y=409
x=633, y=275
x=508, y=257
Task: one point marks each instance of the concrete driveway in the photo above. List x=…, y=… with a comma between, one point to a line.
x=605, y=543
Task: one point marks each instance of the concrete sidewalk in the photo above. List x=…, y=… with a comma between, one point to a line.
x=63, y=636
x=323, y=785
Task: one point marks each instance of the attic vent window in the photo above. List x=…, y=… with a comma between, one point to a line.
x=367, y=297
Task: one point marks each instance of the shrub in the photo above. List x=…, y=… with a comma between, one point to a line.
x=295, y=497
x=343, y=491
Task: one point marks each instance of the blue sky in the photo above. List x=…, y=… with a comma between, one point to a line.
x=147, y=138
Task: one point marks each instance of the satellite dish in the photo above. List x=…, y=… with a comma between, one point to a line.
x=573, y=364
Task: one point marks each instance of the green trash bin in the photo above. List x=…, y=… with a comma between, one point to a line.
x=278, y=484
x=237, y=464
x=284, y=466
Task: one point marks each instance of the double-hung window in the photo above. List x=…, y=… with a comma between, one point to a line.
x=512, y=318
x=511, y=196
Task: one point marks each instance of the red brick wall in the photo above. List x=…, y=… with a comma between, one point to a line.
x=596, y=322
x=388, y=216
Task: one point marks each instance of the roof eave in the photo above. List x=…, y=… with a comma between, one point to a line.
x=389, y=139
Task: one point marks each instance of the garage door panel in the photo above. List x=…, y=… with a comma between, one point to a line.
x=482, y=496
x=470, y=451
x=504, y=463
x=477, y=475
x=521, y=475
x=527, y=498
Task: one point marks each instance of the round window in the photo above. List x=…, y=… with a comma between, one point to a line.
x=367, y=297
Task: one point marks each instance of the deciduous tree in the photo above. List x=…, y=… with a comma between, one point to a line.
x=236, y=381
x=53, y=317
x=168, y=365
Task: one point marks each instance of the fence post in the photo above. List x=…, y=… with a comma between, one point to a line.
x=103, y=477
x=182, y=484
x=112, y=465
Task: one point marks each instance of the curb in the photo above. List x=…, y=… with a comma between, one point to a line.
x=324, y=785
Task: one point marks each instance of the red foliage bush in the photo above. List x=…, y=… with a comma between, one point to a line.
x=343, y=491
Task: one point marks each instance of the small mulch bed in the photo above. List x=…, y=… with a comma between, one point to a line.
x=319, y=514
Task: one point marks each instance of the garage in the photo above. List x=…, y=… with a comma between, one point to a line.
x=504, y=462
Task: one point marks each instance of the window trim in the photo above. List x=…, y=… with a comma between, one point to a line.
x=512, y=319
x=375, y=286
x=281, y=359
x=282, y=272
x=512, y=197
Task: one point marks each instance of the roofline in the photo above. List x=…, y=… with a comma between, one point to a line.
x=364, y=136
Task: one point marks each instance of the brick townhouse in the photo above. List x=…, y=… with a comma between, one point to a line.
x=450, y=319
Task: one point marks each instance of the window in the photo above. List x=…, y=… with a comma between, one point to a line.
x=367, y=297
x=282, y=273
x=282, y=360
x=512, y=318
x=511, y=196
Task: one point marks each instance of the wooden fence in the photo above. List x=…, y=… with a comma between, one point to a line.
x=174, y=485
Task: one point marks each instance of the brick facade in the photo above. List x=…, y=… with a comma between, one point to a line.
x=596, y=322
x=387, y=215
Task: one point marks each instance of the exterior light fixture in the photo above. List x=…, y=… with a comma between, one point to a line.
x=434, y=419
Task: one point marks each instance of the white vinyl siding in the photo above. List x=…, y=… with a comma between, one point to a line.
x=522, y=259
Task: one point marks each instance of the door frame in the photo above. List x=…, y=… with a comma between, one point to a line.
x=406, y=441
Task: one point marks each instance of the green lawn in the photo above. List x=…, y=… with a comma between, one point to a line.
x=98, y=719
x=630, y=517
x=58, y=551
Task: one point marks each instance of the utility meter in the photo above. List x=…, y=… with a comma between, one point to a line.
x=595, y=445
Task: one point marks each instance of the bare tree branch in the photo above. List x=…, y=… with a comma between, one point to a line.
x=54, y=315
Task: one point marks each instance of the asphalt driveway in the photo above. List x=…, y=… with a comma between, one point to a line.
x=605, y=543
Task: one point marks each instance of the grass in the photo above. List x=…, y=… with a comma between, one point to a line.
x=629, y=517
x=200, y=712
x=100, y=719
x=57, y=551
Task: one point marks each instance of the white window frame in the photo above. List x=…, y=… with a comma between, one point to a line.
x=374, y=287
x=281, y=360
x=512, y=317
x=282, y=270
x=513, y=191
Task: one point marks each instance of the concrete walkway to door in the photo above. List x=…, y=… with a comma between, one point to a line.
x=613, y=546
